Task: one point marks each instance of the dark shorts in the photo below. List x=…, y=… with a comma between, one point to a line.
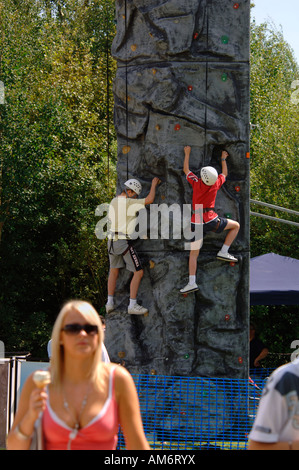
x=217, y=226
x=123, y=255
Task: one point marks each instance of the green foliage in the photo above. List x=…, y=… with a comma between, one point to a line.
x=274, y=174
x=57, y=162
x=274, y=141
x=277, y=327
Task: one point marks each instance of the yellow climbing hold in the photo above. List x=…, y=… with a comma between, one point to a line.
x=126, y=149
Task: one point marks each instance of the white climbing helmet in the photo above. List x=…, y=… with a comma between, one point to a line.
x=134, y=185
x=208, y=175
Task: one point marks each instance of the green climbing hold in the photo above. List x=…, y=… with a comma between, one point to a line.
x=224, y=39
x=224, y=77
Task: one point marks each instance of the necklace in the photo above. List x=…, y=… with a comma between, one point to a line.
x=74, y=431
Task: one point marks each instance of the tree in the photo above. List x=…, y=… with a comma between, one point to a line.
x=274, y=170
x=57, y=161
x=274, y=139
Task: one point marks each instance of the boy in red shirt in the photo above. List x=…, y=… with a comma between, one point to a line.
x=204, y=192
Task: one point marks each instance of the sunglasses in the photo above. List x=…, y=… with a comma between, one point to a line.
x=76, y=328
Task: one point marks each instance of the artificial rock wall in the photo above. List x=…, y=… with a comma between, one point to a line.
x=183, y=79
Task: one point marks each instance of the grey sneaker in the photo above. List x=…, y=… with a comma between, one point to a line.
x=226, y=257
x=189, y=288
x=109, y=308
x=137, y=310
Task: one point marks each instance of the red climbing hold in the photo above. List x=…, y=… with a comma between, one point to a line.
x=190, y=87
x=177, y=127
x=236, y=6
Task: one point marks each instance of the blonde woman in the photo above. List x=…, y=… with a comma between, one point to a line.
x=87, y=399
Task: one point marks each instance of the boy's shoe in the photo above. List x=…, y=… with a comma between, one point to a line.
x=109, y=308
x=189, y=288
x=226, y=257
x=137, y=310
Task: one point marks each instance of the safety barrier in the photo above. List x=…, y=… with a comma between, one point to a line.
x=180, y=413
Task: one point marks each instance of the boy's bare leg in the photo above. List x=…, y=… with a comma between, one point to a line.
x=233, y=228
x=194, y=252
x=135, y=283
x=112, y=278
x=134, y=308
x=193, y=261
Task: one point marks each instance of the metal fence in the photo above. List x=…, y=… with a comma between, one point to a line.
x=182, y=413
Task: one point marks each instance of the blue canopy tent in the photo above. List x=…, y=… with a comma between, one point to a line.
x=274, y=280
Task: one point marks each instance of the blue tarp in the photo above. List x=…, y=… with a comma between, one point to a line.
x=274, y=280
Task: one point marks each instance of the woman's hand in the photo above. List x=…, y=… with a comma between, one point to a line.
x=37, y=402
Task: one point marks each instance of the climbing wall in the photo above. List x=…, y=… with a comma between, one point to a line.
x=183, y=79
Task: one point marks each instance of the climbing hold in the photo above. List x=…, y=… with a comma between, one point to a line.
x=121, y=354
x=186, y=356
x=227, y=317
x=133, y=47
x=154, y=71
x=195, y=35
x=162, y=197
x=224, y=39
x=236, y=6
x=237, y=188
x=228, y=216
x=240, y=359
x=177, y=127
x=224, y=77
x=153, y=372
x=232, y=263
x=152, y=264
x=190, y=87
x=126, y=149
x=248, y=155
x=157, y=127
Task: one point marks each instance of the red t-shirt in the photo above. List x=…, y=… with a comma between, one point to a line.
x=205, y=195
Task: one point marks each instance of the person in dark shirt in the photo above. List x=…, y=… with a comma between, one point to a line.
x=258, y=350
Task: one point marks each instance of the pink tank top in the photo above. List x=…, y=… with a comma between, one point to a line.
x=99, y=434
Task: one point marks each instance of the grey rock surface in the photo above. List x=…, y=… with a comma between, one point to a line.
x=183, y=79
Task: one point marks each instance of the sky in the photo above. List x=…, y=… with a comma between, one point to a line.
x=284, y=14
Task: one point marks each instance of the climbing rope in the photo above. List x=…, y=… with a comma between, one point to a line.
x=107, y=93
x=126, y=92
